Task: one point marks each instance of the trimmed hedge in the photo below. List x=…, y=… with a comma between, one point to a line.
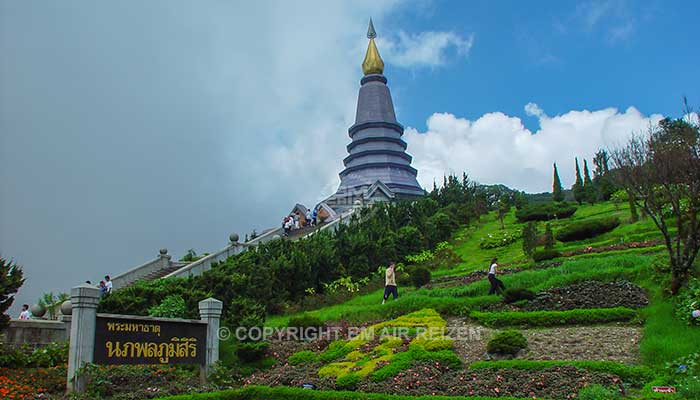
x=512, y=295
x=545, y=212
x=554, y=318
x=546, y=254
x=636, y=374
x=587, y=229
x=289, y=393
x=507, y=342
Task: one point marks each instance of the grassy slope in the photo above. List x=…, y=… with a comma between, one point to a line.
x=474, y=258
x=665, y=338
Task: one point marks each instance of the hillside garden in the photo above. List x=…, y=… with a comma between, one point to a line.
x=601, y=299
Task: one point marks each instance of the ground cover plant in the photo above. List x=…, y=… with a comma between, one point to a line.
x=383, y=350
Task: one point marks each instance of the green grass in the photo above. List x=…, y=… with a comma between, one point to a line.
x=640, y=375
x=462, y=300
x=665, y=337
x=288, y=393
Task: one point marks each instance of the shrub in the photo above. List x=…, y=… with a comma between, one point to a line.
x=689, y=388
x=598, y=392
x=545, y=212
x=172, y=306
x=303, y=357
x=420, y=276
x=542, y=255
x=554, y=318
x=50, y=355
x=251, y=351
x=499, y=239
x=507, y=342
x=689, y=301
x=305, y=321
x=348, y=381
x=587, y=229
x=517, y=294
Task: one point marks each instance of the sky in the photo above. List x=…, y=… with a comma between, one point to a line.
x=130, y=126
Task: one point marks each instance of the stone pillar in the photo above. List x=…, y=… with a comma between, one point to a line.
x=84, y=300
x=65, y=317
x=210, y=312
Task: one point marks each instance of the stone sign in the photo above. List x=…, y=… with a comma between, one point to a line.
x=127, y=339
x=142, y=340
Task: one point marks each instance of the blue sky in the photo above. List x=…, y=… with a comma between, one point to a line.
x=130, y=126
x=562, y=55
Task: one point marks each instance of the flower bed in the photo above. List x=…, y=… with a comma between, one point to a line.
x=560, y=382
x=140, y=381
x=27, y=383
x=589, y=294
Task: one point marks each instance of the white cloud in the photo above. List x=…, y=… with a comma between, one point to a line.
x=533, y=110
x=497, y=148
x=424, y=49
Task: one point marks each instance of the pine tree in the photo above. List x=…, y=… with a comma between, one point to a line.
x=601, y=176
x=503, y=209
x=589, y=190
x=557, y=192
x=634, y=216
x=11, y=279
x=577, y=188
x=548, y=237
x=529, y=238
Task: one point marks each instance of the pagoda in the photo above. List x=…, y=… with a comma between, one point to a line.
x=377, y=167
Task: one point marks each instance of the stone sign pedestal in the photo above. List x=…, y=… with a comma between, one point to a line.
x=84, y=299
x=210, y=312
x=110, y=339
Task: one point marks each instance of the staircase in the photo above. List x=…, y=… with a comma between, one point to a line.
x=165, y=271
x=163, y=267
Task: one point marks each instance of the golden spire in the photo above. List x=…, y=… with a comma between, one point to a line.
x=373, y=63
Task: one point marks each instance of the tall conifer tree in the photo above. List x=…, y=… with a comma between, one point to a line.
x=577, y=188
x=589, y=190
x=557, y=191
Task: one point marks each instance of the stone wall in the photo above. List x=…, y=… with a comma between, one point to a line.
x=35, y=333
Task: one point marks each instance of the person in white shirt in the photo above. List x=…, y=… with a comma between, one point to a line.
x=25, y=314
x=497, y=285
x=108, y=284
x=390, y=283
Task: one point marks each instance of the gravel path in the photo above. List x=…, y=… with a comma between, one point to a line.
x=610, y=342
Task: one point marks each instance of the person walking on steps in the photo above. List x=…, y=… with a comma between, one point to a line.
x=390, y=283
x=25, y=315
x=496, y=285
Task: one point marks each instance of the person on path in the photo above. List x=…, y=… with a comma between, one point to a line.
x=390, y=283
x=314, y=215
x=308, y=218
x=286, y=225
x=496, y=285
x=103, y=288
x=25, y=314
x=108, y=284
